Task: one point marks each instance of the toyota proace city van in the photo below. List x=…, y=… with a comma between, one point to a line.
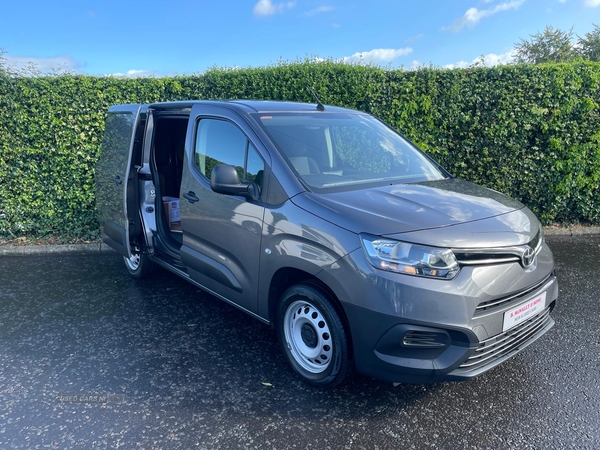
x=360, y=249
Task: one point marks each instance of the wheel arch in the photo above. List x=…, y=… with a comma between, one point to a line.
x=285, y=277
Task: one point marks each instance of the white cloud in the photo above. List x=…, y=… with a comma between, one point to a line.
x=459, y=65
x=268, y=8
x=41, y=65
x=489, y=60
x=134, y=73
x=415, y=38
x=319, y=10
x=591, y=3
x=377, y=55
x=473, y=15
x=416, y=64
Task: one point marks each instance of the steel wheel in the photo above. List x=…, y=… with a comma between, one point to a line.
x=308, y=337
x=312, y=336
x=133, y=262
x=139, y=266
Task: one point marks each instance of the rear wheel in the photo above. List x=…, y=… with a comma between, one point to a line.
x=312, y=336
x=139, y=266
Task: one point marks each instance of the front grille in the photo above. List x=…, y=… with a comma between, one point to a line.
x=486, y=257
x=483, y=306
x=500, y=255
x=504, y=343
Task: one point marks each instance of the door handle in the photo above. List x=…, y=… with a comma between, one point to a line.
x=191, y=197
x=117, y=181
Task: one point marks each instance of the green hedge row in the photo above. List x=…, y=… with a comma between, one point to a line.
x=530, y=131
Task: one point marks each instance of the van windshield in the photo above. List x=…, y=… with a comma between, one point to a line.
x=340, y=151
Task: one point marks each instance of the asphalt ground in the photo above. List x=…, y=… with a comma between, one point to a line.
x=184, y=370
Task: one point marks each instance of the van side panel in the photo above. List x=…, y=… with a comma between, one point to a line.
x=296, y=239
x=112, y=176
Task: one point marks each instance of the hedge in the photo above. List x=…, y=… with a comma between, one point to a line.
x=530, y=131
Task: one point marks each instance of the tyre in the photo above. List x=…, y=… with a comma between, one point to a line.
x=312, y=336
x=139, y=266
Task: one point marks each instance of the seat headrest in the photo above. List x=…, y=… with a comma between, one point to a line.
x=294, y=148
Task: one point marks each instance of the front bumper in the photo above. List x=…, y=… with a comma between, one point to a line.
x=415, y=330
x=499, y=348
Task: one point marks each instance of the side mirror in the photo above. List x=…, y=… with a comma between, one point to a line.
x=224, y=179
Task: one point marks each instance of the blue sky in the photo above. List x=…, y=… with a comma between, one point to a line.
x=164, y=37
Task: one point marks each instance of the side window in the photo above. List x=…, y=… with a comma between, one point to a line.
x=255, y=166
x=221, y=142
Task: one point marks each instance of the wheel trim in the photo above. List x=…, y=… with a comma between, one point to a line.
x=133, y=262
x=302, y=314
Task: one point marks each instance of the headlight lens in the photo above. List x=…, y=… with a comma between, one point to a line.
x=410, y=259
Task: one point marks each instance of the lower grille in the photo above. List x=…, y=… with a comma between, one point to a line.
x=501, y=301
x=504, y=343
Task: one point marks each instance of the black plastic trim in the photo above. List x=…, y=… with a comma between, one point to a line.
x=405, y=365
x=119, y=248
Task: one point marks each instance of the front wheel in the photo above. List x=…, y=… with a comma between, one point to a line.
x=312, y=336
x=139, y=266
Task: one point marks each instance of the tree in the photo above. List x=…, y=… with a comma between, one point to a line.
x=551, y=45
x=589, y=46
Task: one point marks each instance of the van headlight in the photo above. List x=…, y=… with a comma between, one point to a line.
x=410, y=259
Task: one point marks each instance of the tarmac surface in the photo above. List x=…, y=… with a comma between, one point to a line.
x=184, y=370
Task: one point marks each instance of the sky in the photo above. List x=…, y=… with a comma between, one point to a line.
x=167, y=37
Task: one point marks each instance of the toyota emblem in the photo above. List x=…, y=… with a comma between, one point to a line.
x=528, y=257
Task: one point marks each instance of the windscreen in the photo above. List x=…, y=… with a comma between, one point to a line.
x=340, y=151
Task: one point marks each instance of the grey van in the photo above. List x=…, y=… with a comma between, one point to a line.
x=360, y=250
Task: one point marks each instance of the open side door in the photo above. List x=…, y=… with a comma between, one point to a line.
x=114, y=174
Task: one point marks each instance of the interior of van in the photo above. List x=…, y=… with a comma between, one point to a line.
x=166, y=162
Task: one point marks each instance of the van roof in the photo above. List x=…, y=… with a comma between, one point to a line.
x=259, y=106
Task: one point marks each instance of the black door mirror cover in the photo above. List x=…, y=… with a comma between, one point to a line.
x=224, y=179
